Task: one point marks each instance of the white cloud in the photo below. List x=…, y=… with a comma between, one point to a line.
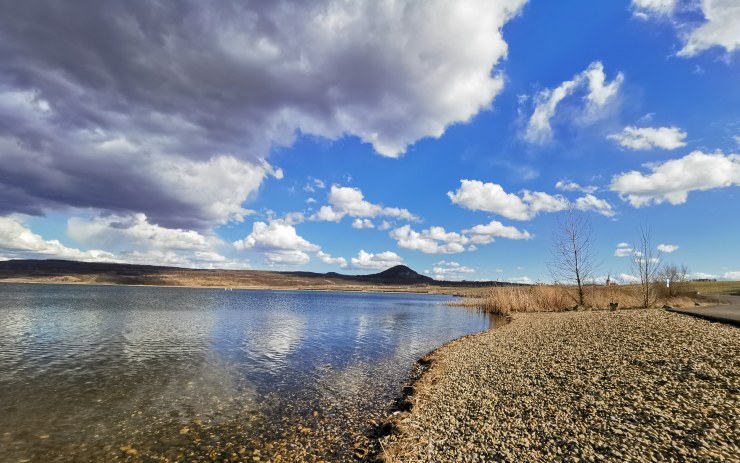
x=380, y=261
x=719, y=29
x=287, y=257
x=592, y=203
x=732, y=276
x=328, y=259
x=310, y=201
x=626, y=279
x=362, y=223
x=484, y=234
x=644, y=138
x=491, y=197
x=274, y=236
x=567, y=185
x=702, y=276
x=313, y=184
x=292, y=218
x=17, y=241
x=623, y=250
x=327, y=214
x=445, y=270
x=151, y=243
x=126, y=232
x=520, y=280
x=130, y=239
x=350, y=201
x=646, y=8
x=672, y=180
x=539, y=129
x=384, y=225
x=218, y=186
x=279, y=242
x=667, y=248
x=434, y=240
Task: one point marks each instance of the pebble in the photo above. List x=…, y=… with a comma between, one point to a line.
x=636, y=385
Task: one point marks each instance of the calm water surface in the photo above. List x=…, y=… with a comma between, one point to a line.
x=104, y=373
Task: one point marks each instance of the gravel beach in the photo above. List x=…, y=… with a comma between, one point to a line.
x=637, y=385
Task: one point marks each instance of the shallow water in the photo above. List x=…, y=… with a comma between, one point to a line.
x=100, y=373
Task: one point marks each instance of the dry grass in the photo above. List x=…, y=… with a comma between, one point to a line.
x=555, y=298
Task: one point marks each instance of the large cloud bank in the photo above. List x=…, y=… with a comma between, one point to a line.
x=168, y=108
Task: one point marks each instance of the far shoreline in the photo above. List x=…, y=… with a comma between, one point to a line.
x=393, y=290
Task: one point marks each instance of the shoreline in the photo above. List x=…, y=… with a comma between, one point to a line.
x=466, y=405
x=348, y=289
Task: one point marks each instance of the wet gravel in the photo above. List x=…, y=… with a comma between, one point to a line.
x=642, y=385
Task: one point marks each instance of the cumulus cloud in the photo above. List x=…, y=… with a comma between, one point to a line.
x=328, y=259
x=592, y=203
x=623, y=250
x=351, y=201
x=327, y=214
x=118, y=235
x=134, y=239
x=279, y=242
x=445, y=270
x=362, y=224
x=720, y=28
x=168, y=108
x=484, y=234
x=599, y=93
x=567, y=185
x=18, y=241
x=672, y=180
x=644, y=138
x=134, y=231
x=436, y=240
x=732, y=276
x=491, y=197
x=716, y=28
x=379, y=261
x=667, y=248
x=384, y=225
x=52, y=163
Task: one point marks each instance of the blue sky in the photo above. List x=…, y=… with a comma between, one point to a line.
x=447, y=136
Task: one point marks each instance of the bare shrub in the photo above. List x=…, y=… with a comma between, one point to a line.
x=674, y=280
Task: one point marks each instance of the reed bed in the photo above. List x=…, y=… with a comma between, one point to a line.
x=505, y=300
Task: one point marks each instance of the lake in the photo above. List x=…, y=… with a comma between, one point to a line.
x=108, y=373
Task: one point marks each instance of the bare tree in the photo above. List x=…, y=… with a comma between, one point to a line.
x=646, y=262
x=675, y=278
x=572, y=260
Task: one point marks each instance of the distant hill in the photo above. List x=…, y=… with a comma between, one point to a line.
x=65, y=271
x=398, y=275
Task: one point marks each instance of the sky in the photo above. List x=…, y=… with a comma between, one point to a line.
x=352, y=136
